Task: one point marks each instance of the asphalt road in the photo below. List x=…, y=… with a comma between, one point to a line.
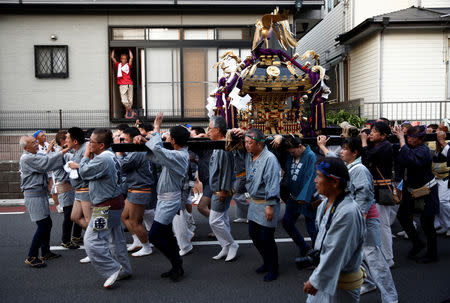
x=206, y=280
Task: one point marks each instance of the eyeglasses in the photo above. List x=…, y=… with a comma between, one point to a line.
x=93, y=142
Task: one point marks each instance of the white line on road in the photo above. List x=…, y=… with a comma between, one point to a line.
x=204, y=243
x=12, y=213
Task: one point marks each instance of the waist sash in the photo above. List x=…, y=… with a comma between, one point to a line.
x=352, y=280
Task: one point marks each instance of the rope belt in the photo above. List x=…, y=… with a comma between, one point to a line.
x=63, y=187
x=259, y=201
x=82, y=190
x=382, y=182
x=352, y=280
x=140, y=190
x=229, y=193
x=242, y=174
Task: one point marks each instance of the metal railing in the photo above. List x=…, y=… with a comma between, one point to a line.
x=426, y=112
x=53, y=120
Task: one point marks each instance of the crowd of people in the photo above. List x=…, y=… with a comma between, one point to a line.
x=349, y=196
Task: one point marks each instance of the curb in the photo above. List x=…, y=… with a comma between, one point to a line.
x=18, y=202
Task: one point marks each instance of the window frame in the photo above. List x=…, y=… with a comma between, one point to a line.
x=181, y=44
x=51, y=75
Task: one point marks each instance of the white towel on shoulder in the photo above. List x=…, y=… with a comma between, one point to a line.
x=125, y=68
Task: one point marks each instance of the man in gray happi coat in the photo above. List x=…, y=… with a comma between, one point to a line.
x=104, y=239
x=34, y=184
x=338, y=275
x=263, y=186
x=221, y=179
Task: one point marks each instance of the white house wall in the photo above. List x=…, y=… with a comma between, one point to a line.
x=414, y=69
x=364, y=9
x=86, y=87
x=364, y=71
x=434, y=3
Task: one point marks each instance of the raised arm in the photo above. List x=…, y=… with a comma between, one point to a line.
x=113, y=58
x=131, y=57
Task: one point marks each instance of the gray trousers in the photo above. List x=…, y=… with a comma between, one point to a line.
x=340, y=296
x=377, y=268
x=107, y=249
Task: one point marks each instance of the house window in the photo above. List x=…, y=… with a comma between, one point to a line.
x=172, y=70
x=51, y=61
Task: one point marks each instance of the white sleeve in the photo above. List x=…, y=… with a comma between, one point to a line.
x=445, y=150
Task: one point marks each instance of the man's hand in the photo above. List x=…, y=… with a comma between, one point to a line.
x=74, y=165
x=51, y=146
x=309, y=289
x=363, y=135
x=130, y=53
x=301, y=202
x=277, y=139
x=322, y=141
x=400, y=135
x=87, y=152
x=158, y=121
x=139, y=140
x=238, y=132
x=440, y=135
x=223, y=195
x=64, y=150
x=269, y=213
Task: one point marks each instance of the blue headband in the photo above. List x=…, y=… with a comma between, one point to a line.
x=37, y=133
x=323, y=166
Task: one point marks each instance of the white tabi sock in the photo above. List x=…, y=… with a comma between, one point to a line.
x=136, y=243
x=144, y=251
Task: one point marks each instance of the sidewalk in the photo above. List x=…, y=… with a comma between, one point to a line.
x=18, y=202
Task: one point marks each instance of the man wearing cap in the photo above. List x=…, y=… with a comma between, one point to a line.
x=263, y=186
x=338, y=275
x=34, y=184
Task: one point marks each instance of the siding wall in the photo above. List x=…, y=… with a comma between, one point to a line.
x=321, y=37
x=364, y=70
x=413, y=66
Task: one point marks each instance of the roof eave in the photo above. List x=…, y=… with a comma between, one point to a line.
x=370, y=26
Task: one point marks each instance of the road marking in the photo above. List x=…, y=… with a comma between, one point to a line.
x=12, y=213
x=204, y=243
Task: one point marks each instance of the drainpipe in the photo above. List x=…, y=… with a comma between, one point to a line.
x=380, y=80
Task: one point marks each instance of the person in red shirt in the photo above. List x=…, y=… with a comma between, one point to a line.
x=124, y=81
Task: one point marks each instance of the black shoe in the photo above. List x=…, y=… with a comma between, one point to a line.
x=177, y=274
x=70, y=245
x=167, y=274
x=271, y=276
x=417, y=247
x=50, y=256
x=35, y=262
x=77, y=240
x=262, y=269
x=427, y=259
